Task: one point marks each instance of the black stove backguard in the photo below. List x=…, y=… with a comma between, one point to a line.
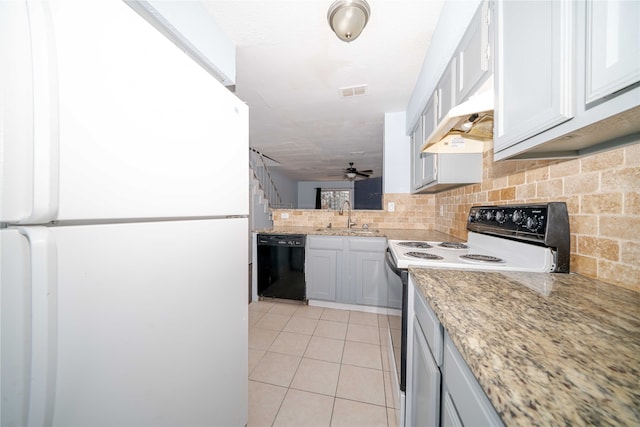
x=543, y=224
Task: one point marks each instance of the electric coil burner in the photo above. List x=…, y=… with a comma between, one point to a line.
x=453, y=245
x=481, y=258
x=417, y=245
x=423, y=255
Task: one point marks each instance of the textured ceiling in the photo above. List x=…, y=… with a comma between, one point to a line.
x=290, y=67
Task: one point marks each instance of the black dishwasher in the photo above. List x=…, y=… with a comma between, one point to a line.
x=281, y=266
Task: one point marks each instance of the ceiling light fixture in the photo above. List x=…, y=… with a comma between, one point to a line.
x=351, y=176
x=347, y=18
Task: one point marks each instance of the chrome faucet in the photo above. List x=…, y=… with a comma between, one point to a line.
x=349, y=222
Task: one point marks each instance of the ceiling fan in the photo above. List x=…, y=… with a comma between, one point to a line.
x=352, y=173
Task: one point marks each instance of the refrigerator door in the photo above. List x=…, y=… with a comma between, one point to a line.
x=15, y=328
x=124, y=124
x=149, y=325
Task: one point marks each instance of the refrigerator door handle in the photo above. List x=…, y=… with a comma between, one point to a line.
x=45, y=116
x=43, y=257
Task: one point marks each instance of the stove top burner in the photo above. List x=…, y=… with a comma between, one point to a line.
x=423, y=255
x=453, y=245
x=417, y=245
x=481, y=258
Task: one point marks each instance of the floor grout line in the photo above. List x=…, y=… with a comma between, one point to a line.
x=341, y=363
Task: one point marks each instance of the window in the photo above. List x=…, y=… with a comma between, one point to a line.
x=333, y=199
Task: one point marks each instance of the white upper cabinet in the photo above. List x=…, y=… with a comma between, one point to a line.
x=446, y=94
x=416, y=154
x=567, y=75
x=433, y=173
x=430, y=117
x=534, y=68
x=473, y=58
x=613, y=47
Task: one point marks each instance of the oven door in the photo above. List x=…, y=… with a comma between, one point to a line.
x=399, y=341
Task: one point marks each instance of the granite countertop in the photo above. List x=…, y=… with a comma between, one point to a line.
x=548, y=349
x=390, y=234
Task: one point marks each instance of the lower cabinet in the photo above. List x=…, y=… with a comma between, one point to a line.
x=323, y=266
x=425, y=380
x=368, y=275
x=441, y=389
x=349, y=270
x=424, y=358
x=450, y=417
x=468, y=400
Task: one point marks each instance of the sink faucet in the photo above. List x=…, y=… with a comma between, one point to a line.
x=349, y=222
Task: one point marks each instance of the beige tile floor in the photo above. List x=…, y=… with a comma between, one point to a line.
x=313, y=366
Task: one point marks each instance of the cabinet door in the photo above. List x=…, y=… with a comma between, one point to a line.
x=429, y=168
x=613, y=47
x=450, y=417
x=471, y=402
x=473, y=65
x=370, y=278
x=321, y=274
x=423, y=163
x=534, y=68
x=425, y=383
x=430, y=117
x=417, y=139
x=368, y=272
x=446, y=92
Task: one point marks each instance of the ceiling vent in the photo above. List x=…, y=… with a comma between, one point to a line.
x=351, y=91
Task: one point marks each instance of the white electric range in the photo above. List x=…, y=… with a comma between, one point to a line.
x=479, y=252
x=529, y=238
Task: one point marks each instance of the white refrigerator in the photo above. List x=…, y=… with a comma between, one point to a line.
x=123, y=225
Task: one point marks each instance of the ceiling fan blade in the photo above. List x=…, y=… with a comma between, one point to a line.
x=362, y=174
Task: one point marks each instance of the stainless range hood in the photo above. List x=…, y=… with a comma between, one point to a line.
x=465, y=127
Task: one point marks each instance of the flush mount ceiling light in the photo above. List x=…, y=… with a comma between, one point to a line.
x=351, y=176
x=347, y=18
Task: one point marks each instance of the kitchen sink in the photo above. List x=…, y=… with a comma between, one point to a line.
x=362, y=231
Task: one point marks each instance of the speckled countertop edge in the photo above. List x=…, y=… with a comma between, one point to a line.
x=567, y=353
x=390, y=234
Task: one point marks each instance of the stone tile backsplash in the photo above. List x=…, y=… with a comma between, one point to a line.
x=602, y=192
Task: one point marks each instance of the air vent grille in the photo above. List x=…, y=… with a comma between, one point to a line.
x=351, y=91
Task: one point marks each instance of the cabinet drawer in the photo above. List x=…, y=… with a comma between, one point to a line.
x=325, y=242
x=368, y=244
x=430, y=325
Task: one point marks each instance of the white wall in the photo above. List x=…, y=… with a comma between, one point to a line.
x=454, y=20
x=307, y=191
x=396, y=177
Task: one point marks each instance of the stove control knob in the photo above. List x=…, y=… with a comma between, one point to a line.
x=501, y=217
x=478, y=215
x=532, y=223
x=488, y=215
x=518, y=217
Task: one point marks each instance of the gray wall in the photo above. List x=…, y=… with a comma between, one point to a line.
x=287, y=187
